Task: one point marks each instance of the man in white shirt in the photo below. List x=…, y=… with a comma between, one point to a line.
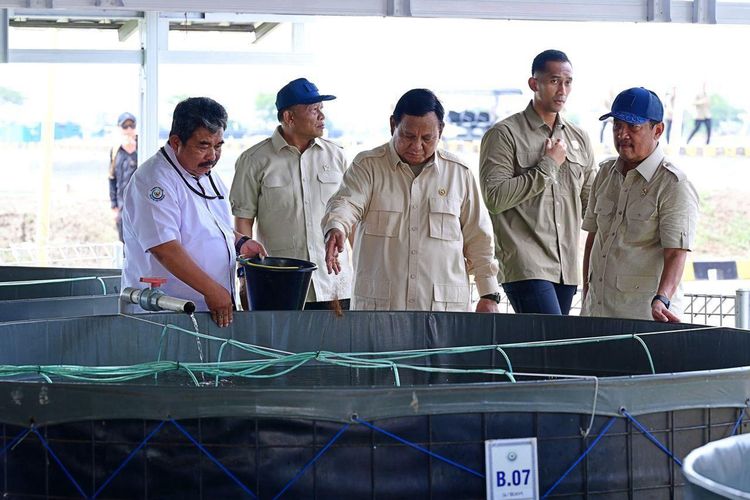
x=176, y=219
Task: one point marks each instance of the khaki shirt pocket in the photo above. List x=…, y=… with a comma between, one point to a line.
x=329, y=181
x=450, y=297
x=603, y=213
x=444, y=218
x=527, y=159
x=382, y=220
x=643, y=223
x=636, y=292
x=276, y=191
x=572, y=175
x=372, y=294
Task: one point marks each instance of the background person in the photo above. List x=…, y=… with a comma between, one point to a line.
x=176, y=219
x=284, y=183
x=702, y=105
x=123, y=160
x=421, y=228
x=535, y=171
x=641, y=219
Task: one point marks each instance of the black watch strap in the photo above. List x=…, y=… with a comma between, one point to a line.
x=663, y=299
x=492, y=296
x=240, y=242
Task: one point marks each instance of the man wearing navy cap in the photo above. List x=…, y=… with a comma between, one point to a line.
x=641, y=219
x=123, y=160
x=283, y=184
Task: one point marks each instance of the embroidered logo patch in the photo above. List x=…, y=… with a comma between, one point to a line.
x=156, y=194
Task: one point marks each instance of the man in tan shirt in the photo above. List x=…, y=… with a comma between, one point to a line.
x=535, y=171
x=421, y=228
x=285, y=182
x=641, y=219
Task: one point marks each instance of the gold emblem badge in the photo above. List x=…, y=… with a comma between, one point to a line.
x=442, y=191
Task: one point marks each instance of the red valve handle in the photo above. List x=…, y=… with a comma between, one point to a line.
x=154, y=282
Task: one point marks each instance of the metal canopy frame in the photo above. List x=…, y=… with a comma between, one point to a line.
x=152, y=19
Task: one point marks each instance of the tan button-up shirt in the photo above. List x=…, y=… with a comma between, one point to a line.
x=535, y=206
x=417, y=238
x=635, y=217
x=286, y=193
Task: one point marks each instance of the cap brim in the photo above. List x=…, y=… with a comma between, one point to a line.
x=319, y=98
x=626, y=117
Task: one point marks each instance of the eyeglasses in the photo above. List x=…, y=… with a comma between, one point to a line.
x=127, y=125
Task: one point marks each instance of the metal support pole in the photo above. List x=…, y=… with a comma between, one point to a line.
x=4, y=27
x=742, y=308
x=153, y=40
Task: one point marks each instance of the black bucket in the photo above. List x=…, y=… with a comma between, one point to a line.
x=277, y=283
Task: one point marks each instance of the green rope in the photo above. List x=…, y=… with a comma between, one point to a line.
x=271, y=363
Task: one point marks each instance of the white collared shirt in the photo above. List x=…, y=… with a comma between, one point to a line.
x=160, y=207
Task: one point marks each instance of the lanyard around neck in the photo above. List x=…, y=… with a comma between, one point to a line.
x=200, y=193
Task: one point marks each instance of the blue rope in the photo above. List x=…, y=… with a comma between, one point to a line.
x=64, y=469
x=650, y=436
x=739, y=422
x=604, y=430
x=19, y=437
x=129, y=458
x=419, y=448
x=213, y=459
x=312, y=461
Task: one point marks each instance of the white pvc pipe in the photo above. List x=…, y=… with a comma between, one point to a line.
x=742, y=309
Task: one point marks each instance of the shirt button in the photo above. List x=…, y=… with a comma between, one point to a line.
x=413, y=228
x=600, y=280
x=414, y=252
x=413, y=276
x=414, y=206
x=411, y=301
x=600, y=302
x=619, y=213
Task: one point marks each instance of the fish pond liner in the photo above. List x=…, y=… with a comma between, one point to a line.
x=695, y=367
x=58, y=307
x=57, y=282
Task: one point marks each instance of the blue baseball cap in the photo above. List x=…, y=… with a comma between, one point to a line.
x=125, y=117
x=636, y=106
x=299, y=91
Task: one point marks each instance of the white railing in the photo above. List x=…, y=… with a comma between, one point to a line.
x=107, y=255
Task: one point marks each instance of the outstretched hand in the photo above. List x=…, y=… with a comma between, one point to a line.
x=335, y=240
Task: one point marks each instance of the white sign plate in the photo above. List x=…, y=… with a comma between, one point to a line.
x=511, y=468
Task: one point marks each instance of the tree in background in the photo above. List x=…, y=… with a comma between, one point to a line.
x=10, y=96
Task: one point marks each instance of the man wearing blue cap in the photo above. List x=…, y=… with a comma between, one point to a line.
x=284, y=182
x=123, y=160
x=641, y=219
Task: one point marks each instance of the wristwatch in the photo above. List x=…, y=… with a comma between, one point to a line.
x=492, y=296
x=240, y=242
x=661, y=298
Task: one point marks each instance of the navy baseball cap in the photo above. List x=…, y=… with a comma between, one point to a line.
x=636, y=106
x=125, y=117
x=299, y=91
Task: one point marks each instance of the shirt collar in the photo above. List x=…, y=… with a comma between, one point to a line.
x=394, y=160
x=279, y=143
x=647, y=168
x=535, y=121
